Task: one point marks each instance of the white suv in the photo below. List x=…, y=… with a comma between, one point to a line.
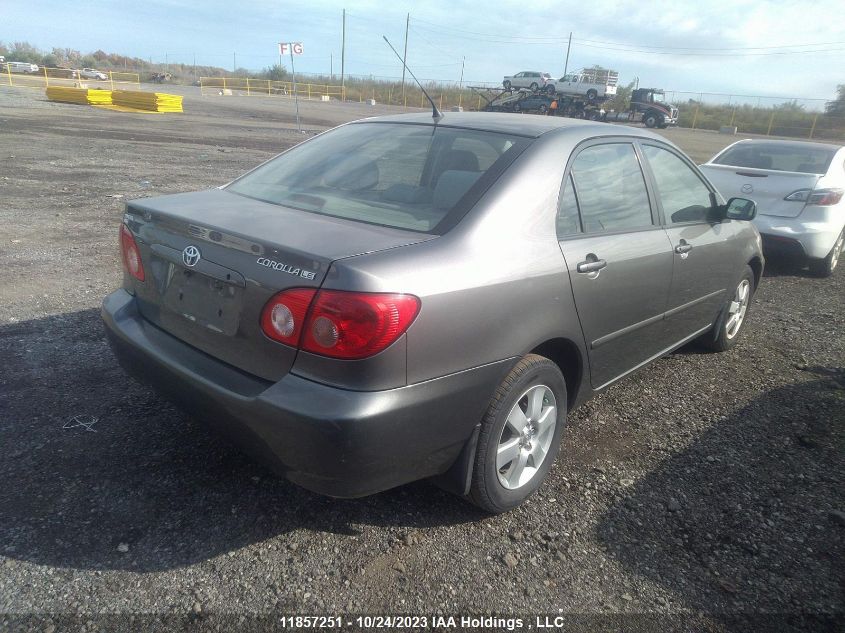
x=527, y=79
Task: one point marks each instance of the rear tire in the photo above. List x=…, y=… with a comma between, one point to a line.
x=733, y=316
x=520, y=435
x=543, y=109
x=506, y=85
x=592, y=94
x=825, y=267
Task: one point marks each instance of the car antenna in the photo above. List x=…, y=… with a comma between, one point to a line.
x=435, y=113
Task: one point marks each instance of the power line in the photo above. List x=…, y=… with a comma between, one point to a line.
x=498, y=38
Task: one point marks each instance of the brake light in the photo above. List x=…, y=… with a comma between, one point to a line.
x=131, y=254
x=283, y=318
x=338, y=324
x=819, y=197
x=355, y=325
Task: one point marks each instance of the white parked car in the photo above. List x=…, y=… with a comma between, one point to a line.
x=798, y=187
x=530, y=79
x=21, y=67
x=92, y=73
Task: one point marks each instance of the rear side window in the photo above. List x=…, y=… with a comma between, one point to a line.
x=611, y=189
x=397, y=175
x=804, y=159
x=682, y=194
x=568, y=222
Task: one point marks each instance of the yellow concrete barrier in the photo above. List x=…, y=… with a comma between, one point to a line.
x=150, y=101
x=83, y=96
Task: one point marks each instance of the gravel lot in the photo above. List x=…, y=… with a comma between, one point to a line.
x=704, y=489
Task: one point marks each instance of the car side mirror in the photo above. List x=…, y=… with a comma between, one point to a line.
x=741, y=209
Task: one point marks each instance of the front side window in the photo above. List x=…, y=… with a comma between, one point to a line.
x=396, y=175
x=611, y=189
x=682, y=194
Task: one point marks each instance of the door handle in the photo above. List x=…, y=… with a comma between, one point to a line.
x=591, y=266
x=683, y=247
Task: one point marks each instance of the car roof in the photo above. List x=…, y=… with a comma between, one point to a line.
x=516, y=124
x=796, y=144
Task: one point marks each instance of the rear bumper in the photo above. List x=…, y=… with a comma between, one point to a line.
x=332, y=441
x=811, y=234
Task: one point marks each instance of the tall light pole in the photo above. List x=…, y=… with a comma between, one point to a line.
x=405, y=58
x=343, y=58
x=566, y=64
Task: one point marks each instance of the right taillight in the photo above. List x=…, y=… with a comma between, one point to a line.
x=131, y=254
x=818, y=197
x=336, y=323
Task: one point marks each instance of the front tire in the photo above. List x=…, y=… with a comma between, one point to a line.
x=520, y=435
x=651, y=120
x=734, y=315
x=825, y=267
x=592, y=95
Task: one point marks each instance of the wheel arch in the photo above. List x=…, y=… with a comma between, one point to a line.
x=756, y=265
x=567, y=356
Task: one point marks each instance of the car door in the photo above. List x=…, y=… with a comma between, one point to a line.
x=705, y=257
x=618, y=257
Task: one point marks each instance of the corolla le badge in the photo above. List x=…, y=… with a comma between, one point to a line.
x=747, y=188
x=191, y=255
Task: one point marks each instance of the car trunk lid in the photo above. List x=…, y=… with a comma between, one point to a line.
x=767, y=187
x=213, y=259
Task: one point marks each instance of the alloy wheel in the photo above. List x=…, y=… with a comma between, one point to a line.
x=526, y=437
x=738, y=308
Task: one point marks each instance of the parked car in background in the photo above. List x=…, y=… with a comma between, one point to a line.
x=93, y=73
x=531, y=79
x=407, y=297
x=798, y=187
x=21, y=67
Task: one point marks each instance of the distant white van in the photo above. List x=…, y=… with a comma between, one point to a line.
x=21, y=67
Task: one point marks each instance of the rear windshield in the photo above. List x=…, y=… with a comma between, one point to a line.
x=802, y=159
x=397, y=175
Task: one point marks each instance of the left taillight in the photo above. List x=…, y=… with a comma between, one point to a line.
x=817, y=197
x=337, y=323
x=131, y=254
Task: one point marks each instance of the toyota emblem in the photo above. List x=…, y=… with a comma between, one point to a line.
x=747, y=188
x=191, y=255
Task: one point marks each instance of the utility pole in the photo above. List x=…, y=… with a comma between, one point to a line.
x=461, y=83
x=343, y=57
x=405, y=57
x=566, y=64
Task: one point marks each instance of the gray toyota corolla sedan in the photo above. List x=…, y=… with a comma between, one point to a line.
x=406, y=297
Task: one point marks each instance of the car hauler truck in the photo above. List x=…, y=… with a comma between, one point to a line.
x=649, y=107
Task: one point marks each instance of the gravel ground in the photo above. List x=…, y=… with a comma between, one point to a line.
x=703, y=489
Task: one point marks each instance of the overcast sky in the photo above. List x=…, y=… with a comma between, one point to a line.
x=783, y=48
